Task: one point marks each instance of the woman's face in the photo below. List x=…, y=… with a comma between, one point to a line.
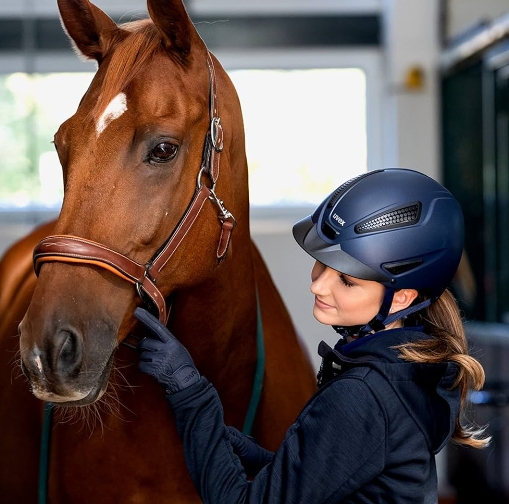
x=344, y=300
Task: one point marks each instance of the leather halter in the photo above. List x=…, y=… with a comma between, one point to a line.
x=73, y=249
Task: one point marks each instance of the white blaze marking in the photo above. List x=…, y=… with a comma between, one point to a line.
x=113, y=111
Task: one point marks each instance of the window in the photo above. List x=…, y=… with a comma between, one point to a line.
x=305, y=131
x=32, y=106
x=305, y=115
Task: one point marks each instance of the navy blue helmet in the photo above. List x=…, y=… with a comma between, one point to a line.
x=395, y=226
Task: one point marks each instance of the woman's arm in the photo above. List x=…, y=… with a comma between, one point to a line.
x=337, y=444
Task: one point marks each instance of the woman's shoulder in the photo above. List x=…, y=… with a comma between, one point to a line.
x=352, y=388
x=345, y=400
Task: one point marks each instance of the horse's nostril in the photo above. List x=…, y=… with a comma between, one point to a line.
x=67, y=353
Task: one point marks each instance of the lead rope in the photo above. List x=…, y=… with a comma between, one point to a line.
x=248, y=422
x=259, y=372
x=44, y=453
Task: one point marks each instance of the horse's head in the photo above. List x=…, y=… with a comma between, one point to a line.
x=143, y=193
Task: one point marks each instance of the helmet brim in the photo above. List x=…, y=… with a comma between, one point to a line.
x=306, y=235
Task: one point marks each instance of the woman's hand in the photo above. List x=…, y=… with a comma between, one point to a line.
x=251, y=454
x=164, y=357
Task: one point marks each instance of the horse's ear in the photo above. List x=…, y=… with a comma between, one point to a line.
x=90, y=29
x=174, y=24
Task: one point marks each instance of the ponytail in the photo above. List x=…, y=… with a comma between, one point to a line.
x=442, y=319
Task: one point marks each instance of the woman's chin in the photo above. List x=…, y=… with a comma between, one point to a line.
x=323, y=318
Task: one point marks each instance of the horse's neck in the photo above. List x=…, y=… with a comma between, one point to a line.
x=218, y=318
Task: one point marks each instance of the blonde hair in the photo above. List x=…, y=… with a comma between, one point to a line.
x=442, y=319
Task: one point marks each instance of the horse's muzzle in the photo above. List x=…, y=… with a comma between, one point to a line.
x=58, y=371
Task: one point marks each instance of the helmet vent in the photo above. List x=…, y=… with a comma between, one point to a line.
x=343, y=187
x=403, y=216
x=329, y=231
x=397, y=268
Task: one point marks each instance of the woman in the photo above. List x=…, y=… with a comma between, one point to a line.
x=391, y=392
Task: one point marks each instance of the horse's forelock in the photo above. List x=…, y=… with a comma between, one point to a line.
x=128, y=58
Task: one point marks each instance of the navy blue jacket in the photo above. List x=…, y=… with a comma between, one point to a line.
x=369, y=435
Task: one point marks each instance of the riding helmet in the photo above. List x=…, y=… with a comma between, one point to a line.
x=395, y=226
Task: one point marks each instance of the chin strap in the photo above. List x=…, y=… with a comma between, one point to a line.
x=329, y=367
x=380, y=321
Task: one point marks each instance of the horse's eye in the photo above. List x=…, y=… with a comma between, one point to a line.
x=163, y=152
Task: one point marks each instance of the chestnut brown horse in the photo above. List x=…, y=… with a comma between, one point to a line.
x=155, y=211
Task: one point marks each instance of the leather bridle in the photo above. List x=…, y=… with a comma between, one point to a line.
x=73, y=249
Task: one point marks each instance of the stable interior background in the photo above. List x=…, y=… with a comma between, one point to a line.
x=377, y=83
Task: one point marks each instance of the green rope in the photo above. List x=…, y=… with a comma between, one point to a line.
x=44, y=454
x=259, y=372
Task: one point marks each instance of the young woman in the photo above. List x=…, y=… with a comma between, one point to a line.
x=392, y=390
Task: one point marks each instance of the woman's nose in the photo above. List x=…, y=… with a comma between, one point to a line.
x=319, y=278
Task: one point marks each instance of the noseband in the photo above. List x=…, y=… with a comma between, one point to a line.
x=73, y=249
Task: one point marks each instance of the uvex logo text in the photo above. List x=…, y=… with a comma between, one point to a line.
x=337, y=218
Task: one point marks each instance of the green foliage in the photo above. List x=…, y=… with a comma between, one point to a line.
x=31, y=110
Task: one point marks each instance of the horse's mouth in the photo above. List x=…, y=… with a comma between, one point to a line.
x=97, y=391
x=93, y=395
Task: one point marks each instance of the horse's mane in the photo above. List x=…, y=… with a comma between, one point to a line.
x=140, y=42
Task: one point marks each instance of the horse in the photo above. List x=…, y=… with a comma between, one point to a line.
x=155, y=213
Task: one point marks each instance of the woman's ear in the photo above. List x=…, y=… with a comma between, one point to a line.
x=402, y=299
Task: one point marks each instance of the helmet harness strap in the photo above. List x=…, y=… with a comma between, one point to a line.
x=328, y=367
x=380, y=321
x=407, y=311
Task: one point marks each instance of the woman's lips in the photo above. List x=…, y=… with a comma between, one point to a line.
x=320, y=304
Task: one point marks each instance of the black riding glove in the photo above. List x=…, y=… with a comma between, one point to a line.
x=252, y=455
x=164, y=357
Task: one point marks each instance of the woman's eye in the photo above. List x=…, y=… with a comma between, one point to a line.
x=163, y=152
x=345, y=281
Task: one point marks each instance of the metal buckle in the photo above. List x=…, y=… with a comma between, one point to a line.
x=225, y=214
x=216, y=134
x=199, y=182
